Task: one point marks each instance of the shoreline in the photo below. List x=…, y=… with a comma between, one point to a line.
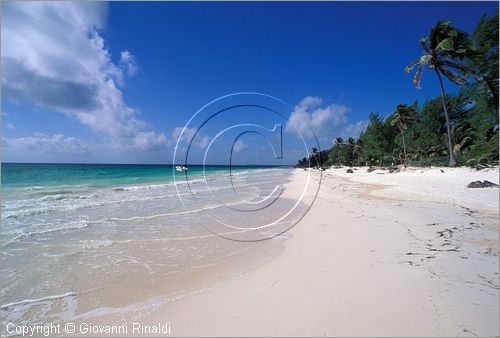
x=355, y=275
x=365, y=250
x=116, y=266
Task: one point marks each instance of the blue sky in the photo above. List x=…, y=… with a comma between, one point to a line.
x=99, y=82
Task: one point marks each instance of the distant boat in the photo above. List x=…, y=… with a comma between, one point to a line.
x=181, y=168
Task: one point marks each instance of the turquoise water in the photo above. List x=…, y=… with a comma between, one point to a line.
x=23, y=175
x=74, y=233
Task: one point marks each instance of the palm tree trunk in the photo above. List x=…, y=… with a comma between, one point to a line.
x=315, y=157
x=404, y=145
x=453, y=161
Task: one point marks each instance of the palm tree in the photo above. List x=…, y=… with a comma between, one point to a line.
x=350, y=144
x=356, y=151
x=446, y=51
x=315, y=155
x=403, y=116
x=338, y=142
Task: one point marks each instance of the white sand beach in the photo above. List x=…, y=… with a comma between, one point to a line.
x=410, y=253
x=189, y=169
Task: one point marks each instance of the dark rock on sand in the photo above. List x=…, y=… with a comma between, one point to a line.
x=479, y=184
x=349, y=171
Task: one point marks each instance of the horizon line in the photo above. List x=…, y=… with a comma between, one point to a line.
x=159, y=164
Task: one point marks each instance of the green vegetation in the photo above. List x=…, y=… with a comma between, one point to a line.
x=402, y=118
x=446, y=51
x=451, y=129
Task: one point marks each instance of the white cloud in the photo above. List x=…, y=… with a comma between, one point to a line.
x=53, y=56
x=128, y=62
x=189, y=135
x=239, y=146
x=354, y=129
x=10, y=126
x=149, y=140
x=309, y=114
x=41, y=143
x=203, y=141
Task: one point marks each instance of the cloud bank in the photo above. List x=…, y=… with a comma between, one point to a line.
x=354, y=129
x=239, y=146
x=200, y=140
x=312, y=118
x=53, y=56
x=45, y=144
x=323, y=120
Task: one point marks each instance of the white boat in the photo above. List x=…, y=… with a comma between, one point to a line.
x=181, y=168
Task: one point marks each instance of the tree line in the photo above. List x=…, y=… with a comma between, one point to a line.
x=450, y=129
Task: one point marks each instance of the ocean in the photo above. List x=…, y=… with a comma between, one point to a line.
x=76, y=238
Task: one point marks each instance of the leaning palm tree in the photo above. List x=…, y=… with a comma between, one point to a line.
x=446, y=51
x=403, y=116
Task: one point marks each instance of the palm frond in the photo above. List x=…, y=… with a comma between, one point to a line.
x=395, y=119
x=458, y=79
x=424, y=43
x=412, y=65
x=446, y=49
x=445, y=45
x=438, y=33
x=460, y=67
x=418, y=76
x=403, y=116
